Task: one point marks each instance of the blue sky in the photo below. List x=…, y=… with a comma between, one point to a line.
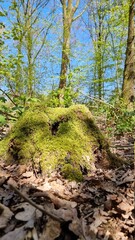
x=48, y=65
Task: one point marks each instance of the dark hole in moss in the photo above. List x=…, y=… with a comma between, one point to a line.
x=26, y=130
x=14, y=149
x=55, y=127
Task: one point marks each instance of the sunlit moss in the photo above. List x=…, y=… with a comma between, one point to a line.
x=48, y=135
x=72, y=173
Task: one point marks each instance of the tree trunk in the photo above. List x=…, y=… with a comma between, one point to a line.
x=68, y=17
x=99, y=60
x=129, y=69
x=19, y=80
x=65, y=51
x=29, y=39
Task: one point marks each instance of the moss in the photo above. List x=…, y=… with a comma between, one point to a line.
x=3, y=147
x=72, y=173
x=48, y=135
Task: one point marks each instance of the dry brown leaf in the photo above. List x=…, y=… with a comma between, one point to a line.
x=51, y=230
x=108, y=205
x=26, y=213
x=27, y=174
x=19, y=233
x=76, y=227
x=38, y=214
x=125, y=207
x=12, y=181
x=21, y=169
x=127, y=215
x=5, y=216
x=2, y=180
x=99, y=219
x=45, y=187
x=66, y=214
x=108, y=187
x=112, y=197
x=80, y=228
x=119, y=236
x=126, y=180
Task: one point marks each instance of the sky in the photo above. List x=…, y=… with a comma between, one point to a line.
x=49, y=62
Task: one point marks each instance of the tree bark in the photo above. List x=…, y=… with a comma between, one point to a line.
x=67, y=21
x=68, y=14
x=29, y=44
x=100, y=57
x=19, y=80
x=129, y=69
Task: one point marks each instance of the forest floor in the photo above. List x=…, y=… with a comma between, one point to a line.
x=33, y=206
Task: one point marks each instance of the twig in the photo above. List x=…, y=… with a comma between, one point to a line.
x=45, y=211
x=122, y=146
x=7, y=115
x=60, y=203
x=97, y=99
x=8, y=97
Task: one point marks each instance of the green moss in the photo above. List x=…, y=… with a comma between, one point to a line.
x=52, y=133
x=3, y=147
x=72, y=173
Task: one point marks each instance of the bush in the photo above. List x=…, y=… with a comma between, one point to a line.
x=117, y=117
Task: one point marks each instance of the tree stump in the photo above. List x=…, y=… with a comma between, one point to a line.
x=66, y=139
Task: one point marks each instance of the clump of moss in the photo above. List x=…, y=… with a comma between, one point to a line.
x=72, y=173
x=47, y=135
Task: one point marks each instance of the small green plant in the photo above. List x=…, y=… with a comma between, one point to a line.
x=2, y=120
x=62, y=97
x=123, y=119
x=11, y=108
x=117, y=118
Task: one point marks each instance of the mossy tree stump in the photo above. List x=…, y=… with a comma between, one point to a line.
x=64, y=138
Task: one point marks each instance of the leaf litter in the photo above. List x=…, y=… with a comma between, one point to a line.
x=101, y=207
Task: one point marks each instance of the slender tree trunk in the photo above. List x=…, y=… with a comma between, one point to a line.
x=69, y=8
x=30, y=72
x=99, y=57
x=100, y=71
x=65, y=52
x=30, y=68
x=129, y=69
x=18, y=74
x=19, y=84
x=94, y=84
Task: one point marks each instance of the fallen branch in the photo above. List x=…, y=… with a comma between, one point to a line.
x=45, y=211
x=59, y=203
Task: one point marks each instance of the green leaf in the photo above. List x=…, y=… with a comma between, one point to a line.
x=2, y=120
x=33, y=100
x=3, y=99
x=19, y=108
x=2, y=14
